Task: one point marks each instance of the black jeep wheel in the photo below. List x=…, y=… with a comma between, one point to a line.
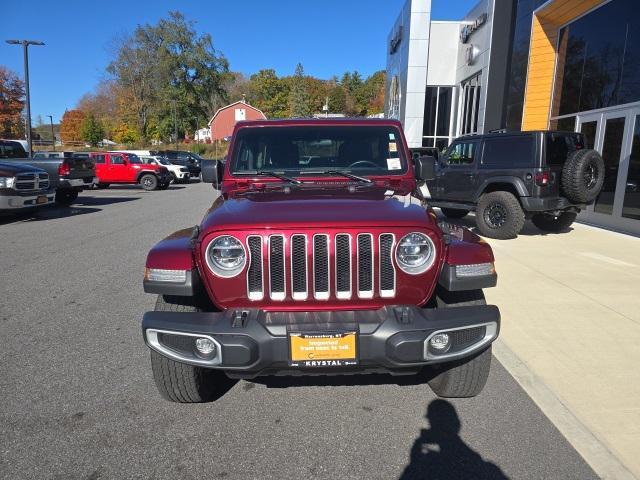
x=583, y=176
x=499, y=215
x=465, y=377
x=454, y=212
x=180, y=382
x=551, y=223
x=149, y=182
x=66, y=197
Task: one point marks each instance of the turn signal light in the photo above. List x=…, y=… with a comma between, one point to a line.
x=162, y=275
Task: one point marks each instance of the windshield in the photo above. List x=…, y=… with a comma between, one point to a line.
x=370, y=150
x=162, y=161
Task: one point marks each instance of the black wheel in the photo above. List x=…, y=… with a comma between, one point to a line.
x=180, y=382
x=583, y=176
x=454, y=212
x=149, y=182
x=554, y=223
x=66, y=197
x=499, y=215
x=465, y=377
x=103, y=185
x=163, y=186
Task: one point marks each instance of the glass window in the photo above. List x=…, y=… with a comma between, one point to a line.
x=309, y=149
x=560, y=145
x=504, y=151
x=133, y=158
x=445, y=95
x=567, y=124
x=461, y=153
x=611, y=149
x=589, y=130
x=430, y=102
x=98, y=158
x=470, y=105
x=601, y=56
x=116, y=159
x=631, y=205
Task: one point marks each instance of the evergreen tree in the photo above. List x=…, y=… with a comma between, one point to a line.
x=92, y=130
x=299, y=95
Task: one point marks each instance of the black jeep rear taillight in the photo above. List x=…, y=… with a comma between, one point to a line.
x=543, y=178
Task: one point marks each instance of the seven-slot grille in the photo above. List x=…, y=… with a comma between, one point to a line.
x=32, y=181
x=288, y=259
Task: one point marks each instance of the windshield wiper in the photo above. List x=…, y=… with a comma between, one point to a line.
x=345, y=174
x=266, y=173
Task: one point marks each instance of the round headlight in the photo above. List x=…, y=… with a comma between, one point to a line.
x=415, y=253
x=226, y=256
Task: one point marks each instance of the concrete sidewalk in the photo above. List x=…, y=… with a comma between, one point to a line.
x=570, y=306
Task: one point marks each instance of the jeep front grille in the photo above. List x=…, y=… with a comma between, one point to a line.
x=289, y=259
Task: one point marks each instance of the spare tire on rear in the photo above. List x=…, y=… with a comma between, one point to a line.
x=583, y=176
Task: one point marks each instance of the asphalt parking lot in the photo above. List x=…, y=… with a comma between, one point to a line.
x=78, y=400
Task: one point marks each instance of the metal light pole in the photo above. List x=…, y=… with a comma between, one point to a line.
x=25, y=46
x=53, y=136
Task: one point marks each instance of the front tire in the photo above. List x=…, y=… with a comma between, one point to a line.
x=149, y=182
x=499, y=215
x=180, y=382
x=465, y=377
x=454, y=212
x=555, y=224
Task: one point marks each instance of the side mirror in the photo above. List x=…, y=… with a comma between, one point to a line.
x=212, y=172
x=425, y=168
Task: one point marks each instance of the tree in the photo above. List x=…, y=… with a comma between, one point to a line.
x=92, y=130
x=125, y=134
x=71, y=125
x=298, y=95
x=103, y=103
x=269, y=93
x=12, y=99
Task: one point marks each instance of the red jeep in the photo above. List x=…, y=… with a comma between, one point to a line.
x=320, y=256
x=119, y=167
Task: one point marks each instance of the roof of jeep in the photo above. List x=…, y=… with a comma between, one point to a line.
x=474, y=136
x=290, y=122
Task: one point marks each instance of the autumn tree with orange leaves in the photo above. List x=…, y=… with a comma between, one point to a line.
x=71, y=125
x=12, y=98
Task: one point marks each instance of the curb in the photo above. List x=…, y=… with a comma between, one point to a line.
x=604, y=463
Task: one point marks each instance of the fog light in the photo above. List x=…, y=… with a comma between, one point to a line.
x=440, y=342
x=205, y=346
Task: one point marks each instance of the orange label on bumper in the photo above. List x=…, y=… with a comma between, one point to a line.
x=323, y=350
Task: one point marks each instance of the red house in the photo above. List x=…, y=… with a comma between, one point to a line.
x=222, y=123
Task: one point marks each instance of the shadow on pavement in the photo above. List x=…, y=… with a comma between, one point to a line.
x=440, y=453
x=46, y=213
x=98, y=201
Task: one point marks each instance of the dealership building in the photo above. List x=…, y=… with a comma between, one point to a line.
x=527, y=65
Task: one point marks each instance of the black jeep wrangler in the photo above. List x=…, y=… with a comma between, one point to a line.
x=506, y=178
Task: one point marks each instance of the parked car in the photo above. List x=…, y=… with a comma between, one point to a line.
x=185, y=159
x=23, y=187
x=69, y=173
x=507, y=177
x=177, y=172
x=128, y=168
x=331, y=268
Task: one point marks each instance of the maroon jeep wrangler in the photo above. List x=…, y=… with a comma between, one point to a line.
x=319, y=256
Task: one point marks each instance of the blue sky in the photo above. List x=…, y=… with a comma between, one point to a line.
x=327, y=36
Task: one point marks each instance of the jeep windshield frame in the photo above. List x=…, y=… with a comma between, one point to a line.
x=319, y=150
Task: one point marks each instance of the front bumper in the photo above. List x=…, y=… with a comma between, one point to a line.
x=254, y=342
x=18, y=201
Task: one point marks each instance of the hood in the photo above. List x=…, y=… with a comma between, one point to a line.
x=295, y=207
x=11, y=169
